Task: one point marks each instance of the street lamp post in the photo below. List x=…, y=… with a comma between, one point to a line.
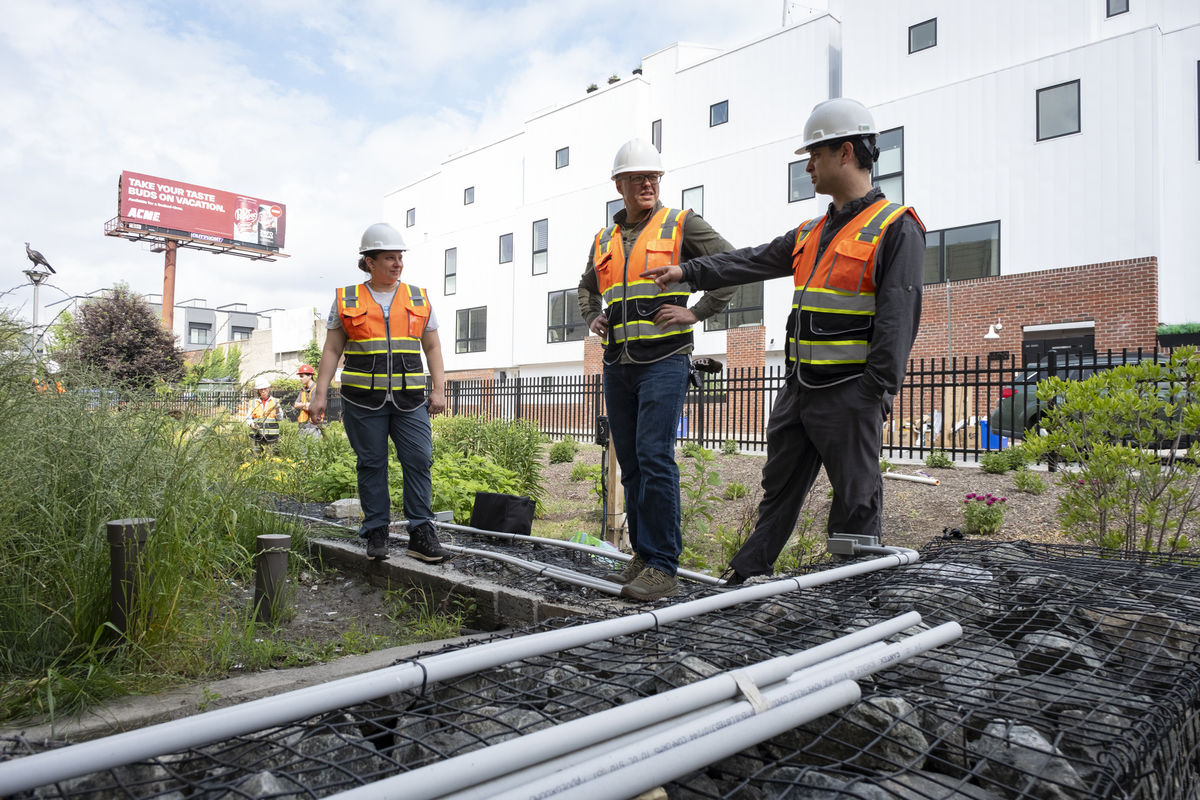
x=36, y=276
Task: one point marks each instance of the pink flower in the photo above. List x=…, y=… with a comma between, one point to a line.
x=971, y=496
x=991, y=500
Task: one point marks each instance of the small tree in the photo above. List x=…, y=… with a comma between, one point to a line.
x=119, y=335
x=311, y=354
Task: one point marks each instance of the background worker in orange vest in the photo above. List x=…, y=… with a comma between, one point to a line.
x=303, y=399
x=856, y=305
x=382, y=326
x=647, y=335
x=264, y=416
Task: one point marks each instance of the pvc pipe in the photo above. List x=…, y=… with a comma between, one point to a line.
x=615, y=555
x=899, y=476
x=650, y=761
x=477, y=766
x=80, y=759
x=270, y=575
x=126, y=549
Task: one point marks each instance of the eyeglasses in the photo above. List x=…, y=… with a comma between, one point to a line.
x=638, y=180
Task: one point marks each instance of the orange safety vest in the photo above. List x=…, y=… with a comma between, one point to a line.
x=304, y=397
x=632, y=300
x=833, y=304
x=268, y=415
x=383, y=353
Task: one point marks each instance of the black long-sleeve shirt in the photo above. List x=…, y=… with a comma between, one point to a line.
x=899, y=276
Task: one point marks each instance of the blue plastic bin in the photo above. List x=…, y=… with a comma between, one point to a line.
x=990, y=441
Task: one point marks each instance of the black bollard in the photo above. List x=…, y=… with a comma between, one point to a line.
x=126, y=544
x=270, y=575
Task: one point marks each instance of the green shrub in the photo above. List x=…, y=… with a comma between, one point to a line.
x=1124, y=495
x=690, y=449
x=515, y=445
x=563, y=452
x=885, y=465
x=583, y=472
x=457, y=477
x=995, y=463
x=735, y=490
x=1029, y=482
x=698, y=498
x=730, y=447
x=939, y=460
x=983, y=513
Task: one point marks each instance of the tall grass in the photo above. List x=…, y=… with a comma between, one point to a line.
x=72, y=462
x=515, y=445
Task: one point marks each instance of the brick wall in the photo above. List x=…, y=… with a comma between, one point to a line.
x=745, y=347
x=593, y=355
x=1120, y=297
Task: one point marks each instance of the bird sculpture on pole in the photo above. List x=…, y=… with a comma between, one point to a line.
x=37, y=258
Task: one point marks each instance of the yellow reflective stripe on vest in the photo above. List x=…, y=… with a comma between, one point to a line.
x=644, y=329
x=848, y=351
x=379, y=381
x=874, y=227
x=380, y=346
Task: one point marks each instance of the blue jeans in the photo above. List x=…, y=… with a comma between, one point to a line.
x=644, y=403
x=368, y=432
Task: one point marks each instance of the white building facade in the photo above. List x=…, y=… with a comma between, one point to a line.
x=1030, y=136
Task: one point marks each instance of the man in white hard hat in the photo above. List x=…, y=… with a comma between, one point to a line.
x=858, y=272
x=264, y=415
x=647, y=333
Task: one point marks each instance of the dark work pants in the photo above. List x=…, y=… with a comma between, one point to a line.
x=840, y=427
x=369, y=432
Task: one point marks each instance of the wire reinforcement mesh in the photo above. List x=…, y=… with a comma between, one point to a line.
x=1076, y=677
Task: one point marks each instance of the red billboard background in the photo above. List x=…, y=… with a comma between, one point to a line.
x=207, y=214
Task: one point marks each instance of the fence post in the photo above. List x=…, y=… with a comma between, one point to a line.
x=270, y=575
x=126, y=546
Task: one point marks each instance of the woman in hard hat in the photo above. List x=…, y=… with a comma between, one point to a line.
x=263, y=416
x=303, y=398
x=382, y=326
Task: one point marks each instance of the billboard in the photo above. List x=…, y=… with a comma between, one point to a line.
x=159, y=204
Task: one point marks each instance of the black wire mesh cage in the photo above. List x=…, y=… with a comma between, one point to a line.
x=1076, y=677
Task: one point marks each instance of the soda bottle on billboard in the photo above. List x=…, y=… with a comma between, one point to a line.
x=267, y=227
x=245, y=220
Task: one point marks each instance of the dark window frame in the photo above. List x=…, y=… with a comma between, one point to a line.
x=234, y=330
x=721, y=322
x=940, y=234
x=450, y=271
x=410, y=217
x=683, y=200
x=562, y=157
x=468, y=195
x=610, y=212
x=544, y=252
x=712, y=109
x=913, y=28
x=1108, y=8
x=198, y=327
x=656, y=134
x=1078, y=110
x=812, y=190
x=467, y=344
x=569, y=329
x=876, y=178
x=500, y=246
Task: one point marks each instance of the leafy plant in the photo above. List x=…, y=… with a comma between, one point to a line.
x=515, y=445
x=584, y=472
x=1029, y=482
x=983, y=513
x=119, y=336
x=735, y=490
x=884, y=466
x=690, y=449
x=995, y=463
x=457, y=477
x=699, y=498
x=804, y=546
x=730, y=447
x=563, y=451
x=939, y=460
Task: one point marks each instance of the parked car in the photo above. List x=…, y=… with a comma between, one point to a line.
x=1019, y=411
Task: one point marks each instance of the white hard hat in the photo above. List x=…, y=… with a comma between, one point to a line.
x=381, y=236
x=637, y=155
x=835, y=119
x=262, y=383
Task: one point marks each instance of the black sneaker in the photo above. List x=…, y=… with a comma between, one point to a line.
x=377, y=543
x=732, y=577
x=423, y=544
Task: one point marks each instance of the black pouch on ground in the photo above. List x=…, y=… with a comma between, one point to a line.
x=507, y=513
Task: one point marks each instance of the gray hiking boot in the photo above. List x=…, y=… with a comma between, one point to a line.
x=423, y=544
x=650, y=584
x=632, y=568
x=377, y=543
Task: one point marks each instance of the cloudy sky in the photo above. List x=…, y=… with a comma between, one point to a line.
x=323, y=106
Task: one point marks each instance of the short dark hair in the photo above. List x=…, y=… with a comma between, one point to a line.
x=865, y=151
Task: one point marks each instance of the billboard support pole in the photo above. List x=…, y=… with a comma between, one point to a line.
x=168, y=292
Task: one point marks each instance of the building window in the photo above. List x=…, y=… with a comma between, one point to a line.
x=239, y=334
x=1058, y=110
x=611, y=208
x=199, y=333
x=718, y=113
x=505, y=248
x=922, y=36
x=562, y=157
x=468, y=195
x=451, y=272
x=563, y=321
x=656, y=134
x=746, y=308
x=959, y=254
x=800, y=186
x=1115, y=7
x=888, y=171
x=541, y=244
x=410, y=218
x=470, y=330
x=693, y=198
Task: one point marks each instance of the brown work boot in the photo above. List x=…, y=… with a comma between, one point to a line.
x=631, y=570
x=650, y=584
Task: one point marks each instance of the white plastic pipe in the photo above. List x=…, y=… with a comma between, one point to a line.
x=899, y=476
x=481, y=765
x=168, y=737
x=626, y=771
